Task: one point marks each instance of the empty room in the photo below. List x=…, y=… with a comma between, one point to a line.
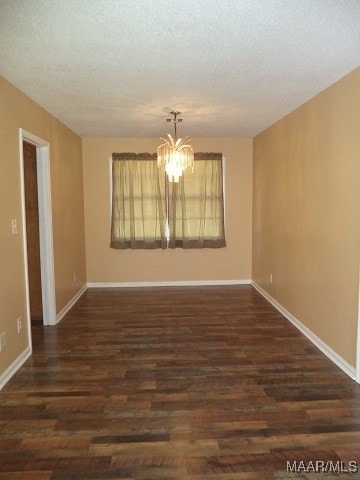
x=179, y=239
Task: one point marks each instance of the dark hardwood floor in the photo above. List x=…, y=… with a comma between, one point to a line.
x=174, y=383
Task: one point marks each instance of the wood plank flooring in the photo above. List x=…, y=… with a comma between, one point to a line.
x=174, y=383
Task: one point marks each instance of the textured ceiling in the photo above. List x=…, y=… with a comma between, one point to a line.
x=115, y=68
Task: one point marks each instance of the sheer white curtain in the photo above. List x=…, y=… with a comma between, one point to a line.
x=196, y=205
x=150, y=212
x=138, y=214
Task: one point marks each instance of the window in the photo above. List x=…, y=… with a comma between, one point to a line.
x=150, y=212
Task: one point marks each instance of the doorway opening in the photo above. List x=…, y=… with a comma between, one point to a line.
x=32, y=233
x=38, y=260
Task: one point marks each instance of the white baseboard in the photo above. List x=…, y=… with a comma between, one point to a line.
x=72, y=302
x=328, y=351
x=14, y=367
x=176, y=283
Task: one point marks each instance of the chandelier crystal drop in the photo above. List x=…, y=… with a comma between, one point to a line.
x=176, y=154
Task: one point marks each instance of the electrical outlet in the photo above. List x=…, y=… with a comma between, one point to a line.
x=2, y=341
x=74, y=278
x=270, y=277
x=19, y=324
x=14, y=230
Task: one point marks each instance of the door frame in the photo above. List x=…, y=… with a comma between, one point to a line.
x=357, y=371
x=45, y=227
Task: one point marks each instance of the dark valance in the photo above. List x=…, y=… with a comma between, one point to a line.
x=153, y=156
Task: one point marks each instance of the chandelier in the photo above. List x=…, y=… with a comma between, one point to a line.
x=176, y=154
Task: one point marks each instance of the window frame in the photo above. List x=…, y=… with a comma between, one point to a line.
x=167, y=219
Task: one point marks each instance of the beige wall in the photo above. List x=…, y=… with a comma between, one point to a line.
x=108, y=265
x=18, y=111
x=306, y=214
